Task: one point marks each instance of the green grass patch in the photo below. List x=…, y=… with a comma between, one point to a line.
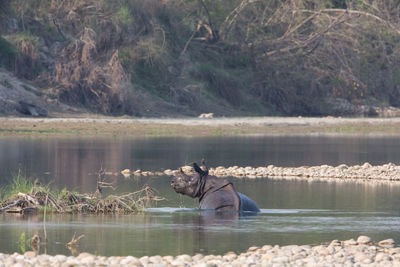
x=19, y=183
x=125, y=57
x=25, y=37
x=124, y=16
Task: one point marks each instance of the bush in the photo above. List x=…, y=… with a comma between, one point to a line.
x=219, y=82
x=8, y=53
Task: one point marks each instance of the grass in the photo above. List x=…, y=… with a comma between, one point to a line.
x=25, y=37
x=19, y=183
x=22, y=184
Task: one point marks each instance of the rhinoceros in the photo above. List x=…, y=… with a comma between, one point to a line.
x=213, y=193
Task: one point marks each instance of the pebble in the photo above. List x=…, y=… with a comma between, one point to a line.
x=337, y=253
x=30, y=254
x=350, y=242
x=387, y=243
x=364, y=239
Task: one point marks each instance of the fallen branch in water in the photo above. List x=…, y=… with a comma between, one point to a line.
x=74, y=241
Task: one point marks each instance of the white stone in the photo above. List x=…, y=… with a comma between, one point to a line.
x=362, y=239
x=382, y=257
x=350, y=242
x=366, y=165
x=19, y=258
x=388, y=243
x=335, y=243
x=30, y=254
x=184, y=258
x=88, y=260
x=282, y=259
x=60, y=258
x=144, y=260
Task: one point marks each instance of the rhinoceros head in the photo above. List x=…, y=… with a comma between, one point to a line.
x=188, y=184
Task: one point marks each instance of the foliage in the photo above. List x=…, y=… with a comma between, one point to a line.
x=220, y=82
x=25, y=37
x=125, y=58
x=4, y=8
x=8, y=53
x=124, y=16
x=291, y=56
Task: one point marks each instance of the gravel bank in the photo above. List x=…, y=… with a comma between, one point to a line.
x=386, y=172
x=360, y=252
x=383, y=173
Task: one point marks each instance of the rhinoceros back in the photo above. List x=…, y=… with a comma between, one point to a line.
x=247, y=204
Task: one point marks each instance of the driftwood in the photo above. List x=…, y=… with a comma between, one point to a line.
x=85, y=203
x=17, y=203
x=35, y=242
x=70, y=202
x=28, y=198
x=74, y=242
x=82, y=203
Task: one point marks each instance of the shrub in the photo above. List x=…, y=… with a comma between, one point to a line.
x=8, y=53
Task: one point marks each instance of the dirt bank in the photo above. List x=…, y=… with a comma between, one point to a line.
x=111, y=126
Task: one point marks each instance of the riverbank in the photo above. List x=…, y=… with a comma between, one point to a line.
x=362, y=251
x=165, y=127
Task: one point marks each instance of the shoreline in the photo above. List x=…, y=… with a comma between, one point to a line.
x=362, y=251
x=198, y=127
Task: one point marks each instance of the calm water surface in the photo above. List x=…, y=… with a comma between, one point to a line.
x=293, y=212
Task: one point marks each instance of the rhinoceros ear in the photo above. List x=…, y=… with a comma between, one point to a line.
x=198, y=169
x=203, y=166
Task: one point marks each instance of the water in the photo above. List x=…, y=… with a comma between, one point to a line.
x=293, y=212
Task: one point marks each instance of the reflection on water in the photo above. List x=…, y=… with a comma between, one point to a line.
x=69, y=162
x=171, y=232
x=293, y=212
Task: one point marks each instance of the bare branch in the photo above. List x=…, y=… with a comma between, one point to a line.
x=354, y=12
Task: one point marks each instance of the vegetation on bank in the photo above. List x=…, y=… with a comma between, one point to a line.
x=163, y=57
x=25, y=196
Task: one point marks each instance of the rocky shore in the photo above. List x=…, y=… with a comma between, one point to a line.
x=360, y=252
x=386, y=172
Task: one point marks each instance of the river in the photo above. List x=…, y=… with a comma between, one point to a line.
x=293, y=212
